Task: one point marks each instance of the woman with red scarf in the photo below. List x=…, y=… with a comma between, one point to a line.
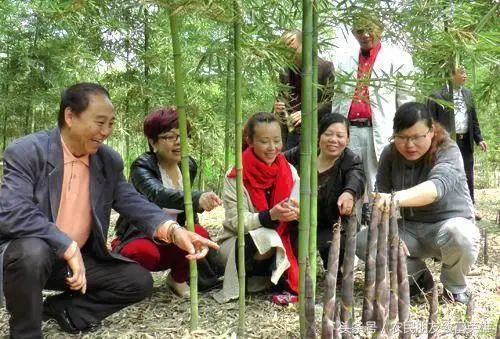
x=271, y=210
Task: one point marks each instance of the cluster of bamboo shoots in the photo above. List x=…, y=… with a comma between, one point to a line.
x=386, y=295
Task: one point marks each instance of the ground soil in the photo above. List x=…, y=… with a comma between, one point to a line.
x=166, y=316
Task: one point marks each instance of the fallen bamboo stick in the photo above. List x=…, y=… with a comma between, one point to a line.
x=485, y=247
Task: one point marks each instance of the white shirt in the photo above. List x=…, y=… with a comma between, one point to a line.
x=460, y=110
x=168, y=183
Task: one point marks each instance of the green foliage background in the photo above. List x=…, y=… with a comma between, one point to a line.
x=125, y=45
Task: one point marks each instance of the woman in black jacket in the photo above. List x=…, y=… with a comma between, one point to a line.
x=156, y=174
x=341, y=179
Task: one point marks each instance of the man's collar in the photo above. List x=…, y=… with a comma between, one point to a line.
x=69, y=156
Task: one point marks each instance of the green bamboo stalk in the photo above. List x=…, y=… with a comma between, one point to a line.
x=347, y=304
x=371, y=252
x=393, y=269
x=433, y=314
x=331, y=284
x=238, y=125
x=186, y=182
x=309, y=296
x=314, y=150
x=305, y=155
x=228, y=115
x=380, y=305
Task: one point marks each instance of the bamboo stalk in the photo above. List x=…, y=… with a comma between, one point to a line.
x=380, y=305
x=238, y=128
x=371, y=250
x=186, y=182
x=403, y=290
x=305, y=154
x=393, y=269
x=347, y=305
x=309, y=309
x=433, y=314
x=314, y=149
x=331, y=283
x=228, y=115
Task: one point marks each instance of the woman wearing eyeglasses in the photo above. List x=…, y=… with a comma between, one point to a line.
x=424, y=169
x=157, y=175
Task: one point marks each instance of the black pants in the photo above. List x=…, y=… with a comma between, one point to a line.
x=468, y=157
x=30, y=266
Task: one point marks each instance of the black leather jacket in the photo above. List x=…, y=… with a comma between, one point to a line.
x=146, y=178
x=346, y=175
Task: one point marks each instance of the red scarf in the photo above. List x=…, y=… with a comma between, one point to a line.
x=259, y=177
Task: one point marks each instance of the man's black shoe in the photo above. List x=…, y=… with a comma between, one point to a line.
x=462, y=298
x=423, y=285
x=63, y=320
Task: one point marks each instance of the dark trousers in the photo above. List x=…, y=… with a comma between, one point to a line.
x=468, y=157
x=30, y=266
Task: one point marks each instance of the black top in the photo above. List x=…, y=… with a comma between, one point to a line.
x=290, y=89
x=146, y=177
x=345, y=175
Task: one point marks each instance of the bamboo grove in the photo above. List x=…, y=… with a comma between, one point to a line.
x=245, y=35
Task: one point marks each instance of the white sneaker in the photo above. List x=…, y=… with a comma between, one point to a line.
x=181, y=290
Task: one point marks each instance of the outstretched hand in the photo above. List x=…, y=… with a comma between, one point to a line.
x=209, y=200
x=345, y=203
x=194, y=244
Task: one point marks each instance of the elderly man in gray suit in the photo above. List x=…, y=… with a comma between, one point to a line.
x=58, y=190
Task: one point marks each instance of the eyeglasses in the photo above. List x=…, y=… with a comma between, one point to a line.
x=170, y=137
x=361, y=31
x=415, y=139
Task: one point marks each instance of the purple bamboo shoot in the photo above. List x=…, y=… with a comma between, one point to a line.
x=331, y=284
x=371, y=252
x=393, y=269
x=380, y=306
x=403, y=289
x=433, y=314
x=348, y=276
